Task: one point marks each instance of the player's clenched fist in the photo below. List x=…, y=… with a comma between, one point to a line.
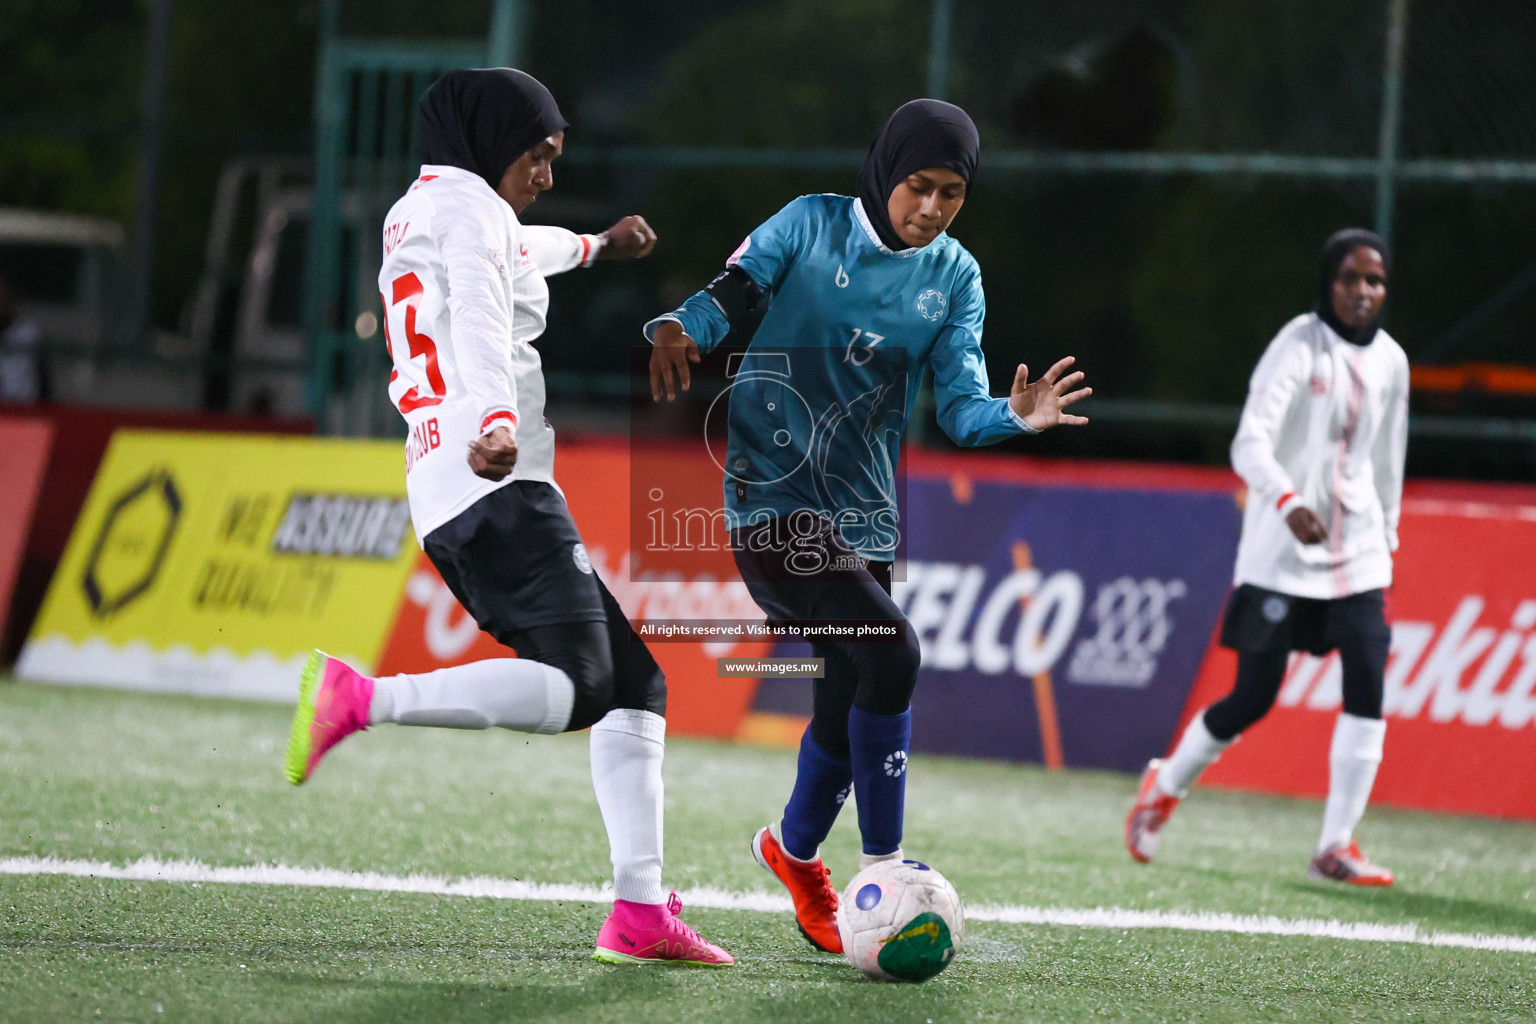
x=629, y=239
x=1306, y=526
x=493, y=455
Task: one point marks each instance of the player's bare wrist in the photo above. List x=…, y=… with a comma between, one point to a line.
x=1022, y=422
x=592, y=247
x=497, y=419
x=652, y=331
x=1289, y=502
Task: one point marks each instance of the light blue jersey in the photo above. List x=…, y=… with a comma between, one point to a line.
x=820, y=399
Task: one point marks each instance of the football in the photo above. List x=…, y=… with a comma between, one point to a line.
x=900, y=920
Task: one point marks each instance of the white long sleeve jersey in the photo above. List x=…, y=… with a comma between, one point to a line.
x=464, y=297
x=1325, y=426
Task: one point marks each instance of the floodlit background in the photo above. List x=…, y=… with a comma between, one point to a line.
x=1156, y=180
x=191, y=193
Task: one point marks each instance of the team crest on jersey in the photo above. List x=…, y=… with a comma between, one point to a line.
x=579, y=556
x=1274, y=609
x=931, y=305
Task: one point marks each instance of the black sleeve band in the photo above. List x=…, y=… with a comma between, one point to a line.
x=736, y=295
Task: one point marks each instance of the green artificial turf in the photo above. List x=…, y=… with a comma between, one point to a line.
x=114, y=777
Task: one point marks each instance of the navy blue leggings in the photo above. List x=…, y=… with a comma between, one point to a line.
x=1259, y=674
x=877, y=677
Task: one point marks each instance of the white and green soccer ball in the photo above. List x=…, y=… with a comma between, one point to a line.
x=900, y=920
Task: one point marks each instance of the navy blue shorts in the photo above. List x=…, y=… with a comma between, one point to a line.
x=515, y=561
x=1266, y=620
x=814, y=576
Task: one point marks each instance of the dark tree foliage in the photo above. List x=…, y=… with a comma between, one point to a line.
x=1165, y=287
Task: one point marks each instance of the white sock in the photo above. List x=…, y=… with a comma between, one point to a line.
x=627, y=748
x=509, y=693
x=1352, y=763
x=1196, y=751
x=866, y=859
x=777, y=829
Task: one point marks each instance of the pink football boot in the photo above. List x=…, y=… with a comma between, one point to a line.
x=333, y=704
x=643, y=933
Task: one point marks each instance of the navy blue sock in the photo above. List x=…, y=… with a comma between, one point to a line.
x=821, y=786
x=878, y=745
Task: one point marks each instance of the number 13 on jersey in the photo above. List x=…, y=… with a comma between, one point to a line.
x=861, y=347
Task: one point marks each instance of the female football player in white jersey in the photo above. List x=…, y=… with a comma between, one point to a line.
x=1321, y=445
x=464, y=298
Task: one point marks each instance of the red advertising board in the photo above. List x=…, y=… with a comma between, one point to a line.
x=1460, y=699
x=1461, y=681
x=432, y=631
x=634, y=544
x=24, y=447
x=69, y=470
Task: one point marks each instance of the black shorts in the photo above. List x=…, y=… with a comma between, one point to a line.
x=1266, y=620
x=515, y=561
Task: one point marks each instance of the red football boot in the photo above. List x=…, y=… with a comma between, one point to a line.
x=1348, y=865
x=1150, y=812
x=810, y=887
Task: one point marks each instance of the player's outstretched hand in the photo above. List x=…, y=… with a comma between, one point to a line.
x=1040, y=404
x=671, y=352
x=629, y=239
x=493, y=455
x=1306, y=525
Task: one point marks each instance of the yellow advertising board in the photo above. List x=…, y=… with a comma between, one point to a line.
x=212, y=563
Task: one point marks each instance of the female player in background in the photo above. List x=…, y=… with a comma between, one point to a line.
x=1321, y=445
x=464, y=298
x=864, y=296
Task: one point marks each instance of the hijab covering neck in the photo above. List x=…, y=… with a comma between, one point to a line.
x=483, y=119
x=921, y=134
x=1339, y=245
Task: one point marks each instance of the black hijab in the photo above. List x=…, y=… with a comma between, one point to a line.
x=1339, y=245
x=483, y=119
x=922, y=133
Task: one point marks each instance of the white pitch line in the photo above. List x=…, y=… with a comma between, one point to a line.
x=150, y=869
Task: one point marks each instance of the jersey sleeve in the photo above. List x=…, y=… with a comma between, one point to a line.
x=475, y=251
x=556, y=250
x=1391, y=450
x=764, y=255
x=1281, y=374
x=967, y=412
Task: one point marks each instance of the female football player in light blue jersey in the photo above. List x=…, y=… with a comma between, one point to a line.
x=860, y=298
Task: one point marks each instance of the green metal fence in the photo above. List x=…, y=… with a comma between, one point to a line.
x=1397, y=101
x=366, y=93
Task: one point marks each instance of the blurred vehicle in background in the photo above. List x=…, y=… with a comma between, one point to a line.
x=245, y=316
x=23, y=374
x=67, y=275
x=246, y=312
x=241, y=346
x=63, y=272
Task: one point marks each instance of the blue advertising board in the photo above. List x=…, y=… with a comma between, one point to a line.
x=1059, y=624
